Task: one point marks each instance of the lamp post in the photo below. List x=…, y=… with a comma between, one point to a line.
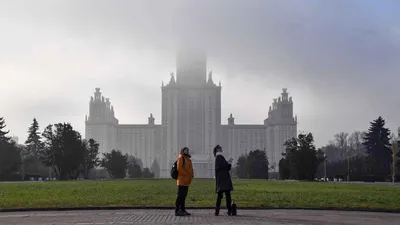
x=324, y=167
x=348, y=165
x=394, y=150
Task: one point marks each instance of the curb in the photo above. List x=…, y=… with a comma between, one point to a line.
x=194, y=208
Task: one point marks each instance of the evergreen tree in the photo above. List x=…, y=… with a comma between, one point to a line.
x=301, y=157
x=63, y=151
x=134, y=167
x=155, y=168
x=398, y=147
x=31, y=163
x=253, y=165
x=257, y=164
x=34, y=143
x=146, y=173
x=241, y=167
x=284, y=169
x=10, y=159
x=91, y=159
x=3, y=133
x=115, y=163
x=378, y=148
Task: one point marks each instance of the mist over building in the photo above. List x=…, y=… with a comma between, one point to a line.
x=191, y=116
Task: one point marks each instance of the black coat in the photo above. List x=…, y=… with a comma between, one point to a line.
x=222, y=175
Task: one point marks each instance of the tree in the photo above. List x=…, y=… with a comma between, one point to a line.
x=31, y=163
x=378, y=148
x=301, y=157
x=341, y=140
x=139, y=162
x=34, y=143
x=253, y=165
x=155, y=168
x=115, y=163
x=3, y=133
x=91, y=159
x=356, y=143
x=241, y=167
x=284, y=169
x=33, y=166
x=146, y=173
x=63, y=151
x=257, y=164
x=134, y=168
x=332, y=152
x=398, y=148
x=10, y=159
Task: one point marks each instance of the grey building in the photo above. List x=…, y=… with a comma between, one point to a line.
x=191, y=116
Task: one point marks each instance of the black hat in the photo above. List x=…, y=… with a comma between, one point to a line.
x=216, y=148
x=183, y=149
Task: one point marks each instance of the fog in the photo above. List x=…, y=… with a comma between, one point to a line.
x=338, y=59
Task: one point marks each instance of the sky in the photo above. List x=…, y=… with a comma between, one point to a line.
x=339, y=59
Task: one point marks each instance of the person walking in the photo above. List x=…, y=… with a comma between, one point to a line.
x=223, y=180
x=185, y=176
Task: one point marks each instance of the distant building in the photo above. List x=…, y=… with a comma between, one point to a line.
x=191, y=116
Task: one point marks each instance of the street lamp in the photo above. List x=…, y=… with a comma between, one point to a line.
x=348, y=165
x=324, y=167
x=394, y=150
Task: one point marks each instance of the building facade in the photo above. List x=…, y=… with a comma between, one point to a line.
x=191, y=116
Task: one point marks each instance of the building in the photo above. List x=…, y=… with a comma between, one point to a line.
x=191, y=116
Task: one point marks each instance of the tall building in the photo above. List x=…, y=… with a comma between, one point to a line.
x=191, y=116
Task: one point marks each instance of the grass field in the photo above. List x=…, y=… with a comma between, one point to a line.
x=247, y=193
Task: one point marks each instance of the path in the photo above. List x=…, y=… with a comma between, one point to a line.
x=199, y=217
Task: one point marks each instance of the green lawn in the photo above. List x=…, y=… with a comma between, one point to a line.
x=248, y=193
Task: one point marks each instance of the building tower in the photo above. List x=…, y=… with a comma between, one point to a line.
x=101, y=124
x=191, y=113
x=281, y=126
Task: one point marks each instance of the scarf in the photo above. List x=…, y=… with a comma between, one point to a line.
x=187, y=155
x=218, y=153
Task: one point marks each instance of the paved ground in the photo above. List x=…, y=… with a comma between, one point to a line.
x=199, y=217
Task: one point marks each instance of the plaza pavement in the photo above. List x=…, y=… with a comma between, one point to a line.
x=199, y=217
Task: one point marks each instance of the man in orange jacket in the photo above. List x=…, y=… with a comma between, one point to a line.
x=185, y=176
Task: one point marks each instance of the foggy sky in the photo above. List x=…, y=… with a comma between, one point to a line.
x=340, y=60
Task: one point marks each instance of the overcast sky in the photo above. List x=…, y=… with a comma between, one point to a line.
x=339, y=59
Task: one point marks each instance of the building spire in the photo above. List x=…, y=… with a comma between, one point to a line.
x=172, y=80
x=231, y=120
x=210, y=78
x=151, y=119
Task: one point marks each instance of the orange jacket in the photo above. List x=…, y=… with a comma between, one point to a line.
x=185, y=171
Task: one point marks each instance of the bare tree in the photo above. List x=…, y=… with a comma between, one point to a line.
x=355, y=143
x=341, y=142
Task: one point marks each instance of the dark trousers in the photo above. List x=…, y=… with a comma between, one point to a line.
x=181, y=198
x=228, y=200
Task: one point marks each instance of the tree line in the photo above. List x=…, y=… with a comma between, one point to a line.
x=371, y=155
x=362, y=156
x=61, y=152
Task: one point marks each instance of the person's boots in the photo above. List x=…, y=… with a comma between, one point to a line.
x=186, y=213
x=217, y=211
x=179, y=213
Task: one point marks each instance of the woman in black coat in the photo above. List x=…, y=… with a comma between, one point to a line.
x=223, y=180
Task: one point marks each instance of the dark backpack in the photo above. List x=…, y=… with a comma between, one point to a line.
x=174, y=169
